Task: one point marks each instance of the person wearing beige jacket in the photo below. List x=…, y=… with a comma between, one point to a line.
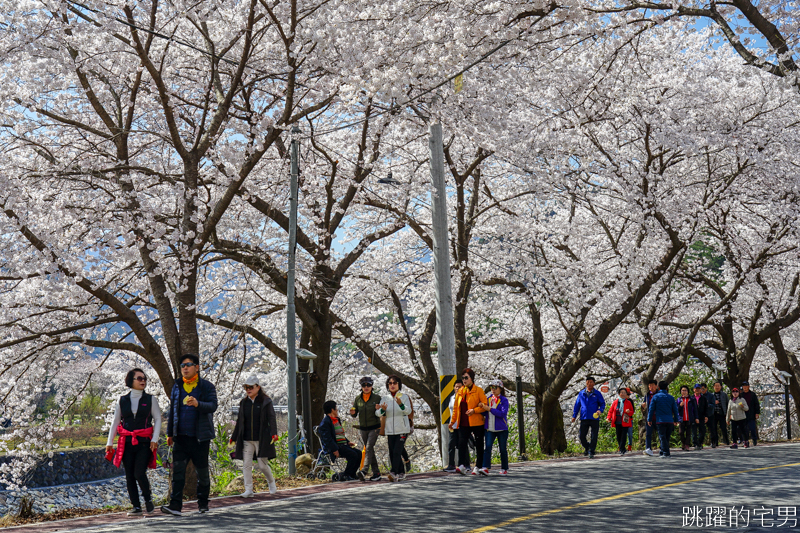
x=737, y=408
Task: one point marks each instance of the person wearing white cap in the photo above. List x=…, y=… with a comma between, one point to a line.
x=255, y=435
x=496, y=426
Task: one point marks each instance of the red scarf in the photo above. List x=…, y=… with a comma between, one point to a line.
x=686, y=409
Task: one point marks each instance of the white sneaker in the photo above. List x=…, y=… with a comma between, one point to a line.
x=247, y=494
x=504, y=472
x=483, y=471
x=461, y=470
x=273, y=488
x=649, y=452
x=474, y=470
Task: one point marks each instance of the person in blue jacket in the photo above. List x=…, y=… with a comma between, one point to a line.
x=664, y=414
x=496, y=426
x=190, y=431
x=591, y=404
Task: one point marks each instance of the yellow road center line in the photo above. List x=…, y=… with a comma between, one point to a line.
x=518, y=519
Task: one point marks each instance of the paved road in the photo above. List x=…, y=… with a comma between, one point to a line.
x=631, y=494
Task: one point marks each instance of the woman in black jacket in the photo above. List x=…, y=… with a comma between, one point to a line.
x=255, y=435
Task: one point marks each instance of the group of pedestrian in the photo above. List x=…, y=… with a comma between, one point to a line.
x=476, y=420
x=390, y=416
x=695, y=413
x=479, y=420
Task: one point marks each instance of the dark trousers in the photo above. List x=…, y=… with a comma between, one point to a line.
x=739, y=431
x=190, y=449
x=353, y=458
x=688, y=433
x=463, y=444
x=594, y=424
x=135, y=460
x=451, y=450
x=397, y=444
x=718, y=426
x=502, y=442
x=664, y=433
x=700, y=434
x=753, y=430
x=622, y=436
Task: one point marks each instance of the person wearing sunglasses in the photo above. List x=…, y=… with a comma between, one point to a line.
x=255, y=435
x=191, y=429
x=137, y=421
x=369, y=426
x=468, y=417
x=396, y=411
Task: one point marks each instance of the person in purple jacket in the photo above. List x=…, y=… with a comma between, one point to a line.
x=496, y=426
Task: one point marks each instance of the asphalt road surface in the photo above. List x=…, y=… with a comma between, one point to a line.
x=634, y=494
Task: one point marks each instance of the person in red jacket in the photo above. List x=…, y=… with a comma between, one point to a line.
x=621, y=417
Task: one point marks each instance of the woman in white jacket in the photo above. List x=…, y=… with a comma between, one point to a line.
x=397, y=425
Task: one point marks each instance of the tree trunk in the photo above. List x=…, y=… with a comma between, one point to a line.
x=551, y=427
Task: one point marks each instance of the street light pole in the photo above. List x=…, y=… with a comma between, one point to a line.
x=446, y=340
x=291, y=359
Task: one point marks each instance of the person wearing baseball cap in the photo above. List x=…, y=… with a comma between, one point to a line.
x=369, y=426
x=255, y=435
x=737, y=413
x=496, y=426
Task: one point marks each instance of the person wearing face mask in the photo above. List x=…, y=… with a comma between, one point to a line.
x=137, y=421
x=190, y=428
x=468, y=417
x=396, y=409
x=255, y=434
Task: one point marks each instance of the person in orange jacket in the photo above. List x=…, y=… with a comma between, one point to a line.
x=468, y=418
x=621, y=417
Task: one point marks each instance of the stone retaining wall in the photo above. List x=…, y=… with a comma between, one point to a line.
x=94, y=495
x=70, y=466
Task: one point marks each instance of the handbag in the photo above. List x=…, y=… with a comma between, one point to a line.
x=382, y=431
x=110, y=455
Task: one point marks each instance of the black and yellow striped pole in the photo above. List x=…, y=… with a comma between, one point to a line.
x=446, y=392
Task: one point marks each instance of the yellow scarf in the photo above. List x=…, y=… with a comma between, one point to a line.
x=190, y=384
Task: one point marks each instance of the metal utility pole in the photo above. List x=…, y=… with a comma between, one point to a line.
x=520, y=412
x=291, y=359
x=445, y=336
